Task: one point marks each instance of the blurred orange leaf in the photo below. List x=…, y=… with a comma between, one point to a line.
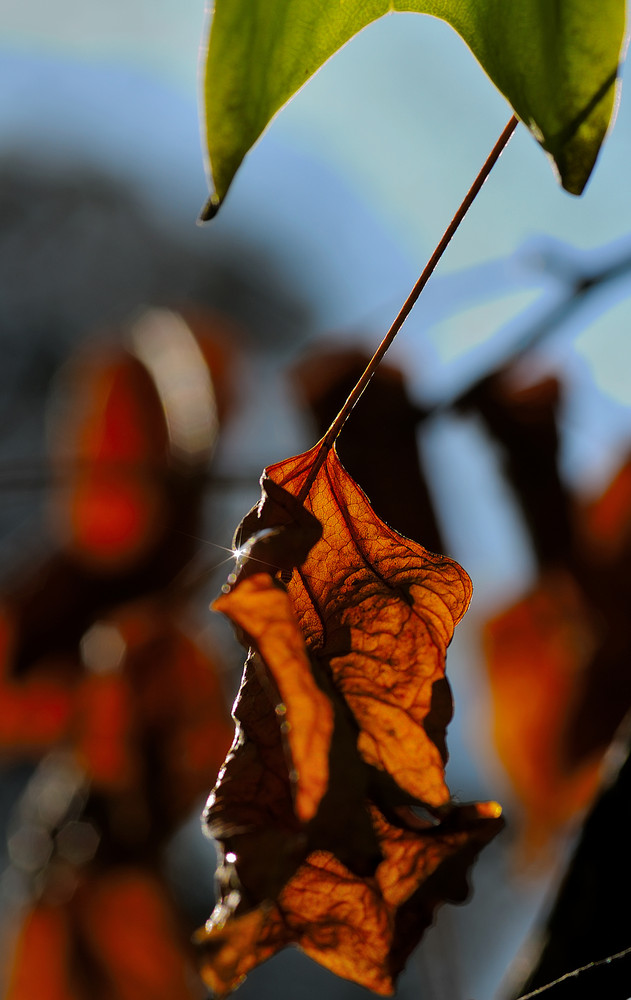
x=34, y=713
x=537, y=653
x=558, y=658
x=117, y=936
x=606, y=522
x=152, y=961
x=46, y=934
x=397, y=483
x=341, y=722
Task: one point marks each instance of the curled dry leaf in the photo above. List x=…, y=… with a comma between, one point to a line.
x=263, y=610
x=336, y=828
x=379, y=609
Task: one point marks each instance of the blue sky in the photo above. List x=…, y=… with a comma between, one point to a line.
x=364, y=167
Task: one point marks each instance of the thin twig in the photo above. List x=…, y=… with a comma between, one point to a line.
x=407, y=307
x=576, y=972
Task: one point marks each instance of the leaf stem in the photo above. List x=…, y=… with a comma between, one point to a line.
x=410, y=302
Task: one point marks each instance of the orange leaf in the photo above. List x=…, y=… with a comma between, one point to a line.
x=345, y=868
x=128, y=928
x=380, y=610
x=46, y=934
x=34, y=713
x=362, y=929
x=116, y=937
x=558, y=666
x=537, y=652
x=263, y=610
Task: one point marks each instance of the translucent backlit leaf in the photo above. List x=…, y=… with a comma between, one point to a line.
x=537, y=654
x=379, y=609
x=556, y=64
x=355, y=645
x=263, y=611
x=362, y=929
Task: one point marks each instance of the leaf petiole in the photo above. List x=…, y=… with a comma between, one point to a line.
x=410, y=302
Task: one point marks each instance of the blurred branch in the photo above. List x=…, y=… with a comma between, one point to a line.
x=580, y=288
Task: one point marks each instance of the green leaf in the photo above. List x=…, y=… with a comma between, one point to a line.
x=555, y=61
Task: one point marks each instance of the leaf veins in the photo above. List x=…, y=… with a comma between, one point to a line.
x=341, y=722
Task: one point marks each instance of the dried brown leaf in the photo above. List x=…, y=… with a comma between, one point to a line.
x=362, y=929
x=313, y=808
x=263, y=611
x=380, y=610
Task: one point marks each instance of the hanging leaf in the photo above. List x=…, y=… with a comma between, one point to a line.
x=380, y=609
x=556, y=64
x=361, y=928
x=335, y=824
x=557, y=659
x=537, y=653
